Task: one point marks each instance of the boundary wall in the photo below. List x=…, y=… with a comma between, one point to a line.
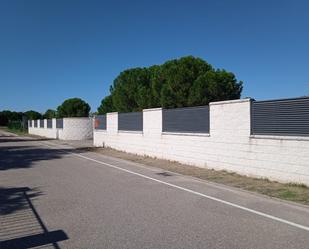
x=73, y=129
x=229, y=145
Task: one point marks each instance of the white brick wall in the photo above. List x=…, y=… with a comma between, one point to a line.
x=44, y=132
x=76, y=129
x=73, y=129
x=229, y=145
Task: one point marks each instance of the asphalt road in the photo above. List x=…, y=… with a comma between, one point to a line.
x=52, y=196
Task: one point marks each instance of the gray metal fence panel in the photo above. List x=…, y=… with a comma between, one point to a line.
x=59, y=123
x=285, y=117
x=132, y=121
x=41, y=123
x=186, y=120
x=100, y=122
x=49, y=123
x=35, y=123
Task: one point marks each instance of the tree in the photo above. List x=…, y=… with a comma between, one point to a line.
x=188, y=81
x=214, y=86
x=127, y=88
x=5, y=117
x=33, y=115
x=177, y=78
x=74, y=107
x=106, y=105
x=50, y=113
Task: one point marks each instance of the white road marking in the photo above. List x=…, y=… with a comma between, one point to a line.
x=191, y=191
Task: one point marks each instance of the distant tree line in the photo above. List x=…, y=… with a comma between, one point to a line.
x=6, y=116
x=74, y=107
x=184, y=82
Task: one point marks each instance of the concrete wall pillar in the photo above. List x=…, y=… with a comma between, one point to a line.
x=152, y=122
x=112, y=123
x=230, y=119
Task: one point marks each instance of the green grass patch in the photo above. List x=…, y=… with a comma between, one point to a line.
x=14, y=130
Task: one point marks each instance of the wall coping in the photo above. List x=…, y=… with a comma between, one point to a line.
x=99, y=130
x=290, y=138
x=77, y=118
x=132, y=132
x=230, y=101
x=186, y=134
x=153, y=109
x=111, y=113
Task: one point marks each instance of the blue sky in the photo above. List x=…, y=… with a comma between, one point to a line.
x=53, y=50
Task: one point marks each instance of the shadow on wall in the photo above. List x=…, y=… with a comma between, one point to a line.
x=14, y=157
x=21, y=225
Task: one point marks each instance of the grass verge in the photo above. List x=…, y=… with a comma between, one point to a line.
x=286, y=191
x=15, y=131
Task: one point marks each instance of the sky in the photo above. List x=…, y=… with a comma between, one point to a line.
x=52, y=50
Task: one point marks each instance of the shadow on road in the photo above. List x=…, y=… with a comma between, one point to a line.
x=14, y=157
x=13, y=199
x=21, y=225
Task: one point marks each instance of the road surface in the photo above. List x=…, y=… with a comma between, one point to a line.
x=53, y=196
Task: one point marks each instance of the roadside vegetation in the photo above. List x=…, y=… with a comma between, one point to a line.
x=183, y=82
x=17, y=127
x=287, y=191
x=14, y=129
x=17, y=122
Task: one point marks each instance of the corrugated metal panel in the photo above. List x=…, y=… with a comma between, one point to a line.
x=285, y=117
x=30, y=123
x=186, y=120
x=49, y=123
x=41, y=123
x=132, y=121
x=35, y=123
x=100, y=122
x=59, y=123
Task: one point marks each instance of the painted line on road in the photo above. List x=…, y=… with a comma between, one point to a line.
x=191, y=191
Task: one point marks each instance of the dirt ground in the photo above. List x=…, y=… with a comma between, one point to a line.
x=287, y=191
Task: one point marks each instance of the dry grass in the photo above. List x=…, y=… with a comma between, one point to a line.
x=287, y=191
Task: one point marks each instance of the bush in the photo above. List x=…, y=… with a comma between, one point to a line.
x=15, y=126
